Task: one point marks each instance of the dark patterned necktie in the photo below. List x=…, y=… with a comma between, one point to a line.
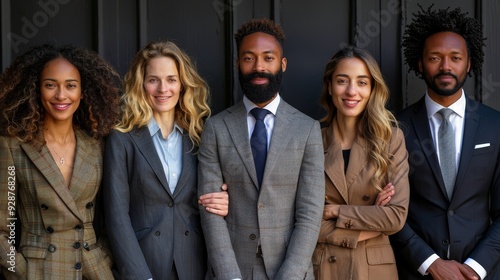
x=258, y=142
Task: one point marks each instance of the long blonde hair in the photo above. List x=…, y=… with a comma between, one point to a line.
x=376, y=122
x=192, y=108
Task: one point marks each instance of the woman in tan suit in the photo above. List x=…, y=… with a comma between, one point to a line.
x=366, y=172
x=56, y=104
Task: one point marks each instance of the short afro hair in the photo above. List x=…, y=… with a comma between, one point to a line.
x=260, y=25
x=429, y=22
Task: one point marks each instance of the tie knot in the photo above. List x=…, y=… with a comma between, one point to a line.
x=259, y=113
x=445, y=113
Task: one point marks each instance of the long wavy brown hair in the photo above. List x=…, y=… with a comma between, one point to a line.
x=22, y=113
x=376, y=122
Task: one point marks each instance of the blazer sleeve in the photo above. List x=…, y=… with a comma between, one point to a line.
x=219, y=248
x=387, y=219
x=11, y=261
x=127, y=253
x=309, y=206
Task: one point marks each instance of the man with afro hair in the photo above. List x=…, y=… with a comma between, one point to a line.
x=276, y=198
x=453, y=225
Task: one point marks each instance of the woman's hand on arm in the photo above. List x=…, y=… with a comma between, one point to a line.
x=331, y=211
x=216, y=202
x=385, y=195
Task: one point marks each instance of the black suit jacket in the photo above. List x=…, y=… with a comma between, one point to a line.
x=470, y=222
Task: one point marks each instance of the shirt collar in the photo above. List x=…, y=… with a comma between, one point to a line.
x=432, y=106
x=271, y=107
x=153, y=127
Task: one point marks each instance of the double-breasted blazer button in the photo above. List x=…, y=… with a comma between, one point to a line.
x=366, y=197
x=86, y=246
x=332, y=259
x=89, y=205
x=451, y=213
x=78, y=265
x=186, y=233
x=78, y=227
x=44, y=207
x=50, y=230
x=170, y=204
x=76, y=245
x=52, y=248
x=252, y=236
x=157, y=233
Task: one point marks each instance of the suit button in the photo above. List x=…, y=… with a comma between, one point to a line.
x=332, y=259
x=366, y=197
x=78, y=265
x=50, y=230
x=186, y=233
x=451, y=213
x=52, y=248
x=76, y=245
x=157, y=233
x=78, y=227
x=170, y=204
x=44, y=207
x=446, y=242
x=89, y=205
x=86, y=246
x=252, y=236
x=261, y=206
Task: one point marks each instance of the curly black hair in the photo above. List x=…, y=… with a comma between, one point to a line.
x=260, y=25
x=22, y=113
x=428, y=22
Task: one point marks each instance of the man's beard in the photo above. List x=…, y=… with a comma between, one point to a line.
x=433, y=85
x=260, y=93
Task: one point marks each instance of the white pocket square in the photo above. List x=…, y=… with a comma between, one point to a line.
x=479, y=146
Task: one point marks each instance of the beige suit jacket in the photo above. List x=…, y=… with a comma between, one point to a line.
x=54, y=230
x=338, y=254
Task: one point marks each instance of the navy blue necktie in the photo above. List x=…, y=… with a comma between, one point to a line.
x=258, y=141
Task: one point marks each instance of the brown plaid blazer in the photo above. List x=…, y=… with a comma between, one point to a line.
x=57, y=238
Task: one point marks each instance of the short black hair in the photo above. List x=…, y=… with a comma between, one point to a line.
x=429, y=22
x=260, y=25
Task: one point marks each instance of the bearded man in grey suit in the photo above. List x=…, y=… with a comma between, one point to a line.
x=274, y=218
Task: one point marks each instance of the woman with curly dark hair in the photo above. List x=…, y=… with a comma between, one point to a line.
x=57, y=104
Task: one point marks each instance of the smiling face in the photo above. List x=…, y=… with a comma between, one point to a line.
x=163, y=86
x=260, y=65
x=60, y=90
x=445, y=64
x=350, y=87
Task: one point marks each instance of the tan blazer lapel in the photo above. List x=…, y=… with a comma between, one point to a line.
x=334, y=161
x=45, y=163
x=85, y=166
x=357, y=160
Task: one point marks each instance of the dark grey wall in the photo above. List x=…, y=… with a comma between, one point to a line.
x=117, y=29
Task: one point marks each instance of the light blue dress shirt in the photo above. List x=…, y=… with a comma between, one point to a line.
x=169, y=151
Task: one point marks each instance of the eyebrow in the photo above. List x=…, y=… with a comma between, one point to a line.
x=347, y=76
x=55, y=80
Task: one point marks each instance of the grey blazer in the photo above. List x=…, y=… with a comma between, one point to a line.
x=149, y=227
x=284, y=216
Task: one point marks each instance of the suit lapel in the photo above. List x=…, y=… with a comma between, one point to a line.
x=188, y=161
x=239, y=135
x=334, y=163
x=471, y=125
x=46, y=165
x=144, y=143
x=420, y=123
x=85, y=166
x=280, y=137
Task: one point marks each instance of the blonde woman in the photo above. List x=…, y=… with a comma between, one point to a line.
x=366, y=172
x=150, y=169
